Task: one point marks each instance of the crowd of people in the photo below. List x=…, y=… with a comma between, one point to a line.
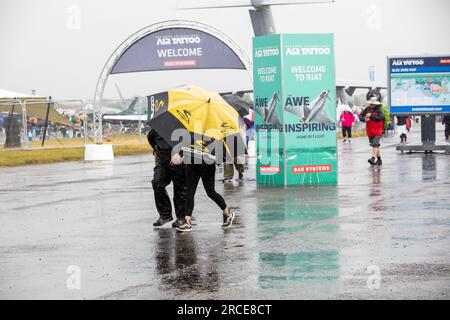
x=185, y=177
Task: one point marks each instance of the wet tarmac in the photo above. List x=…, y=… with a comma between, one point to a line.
x=382, y=233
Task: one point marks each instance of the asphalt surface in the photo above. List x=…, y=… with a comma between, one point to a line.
x=382, y=233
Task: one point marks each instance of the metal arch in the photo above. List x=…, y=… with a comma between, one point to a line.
x=120, y=50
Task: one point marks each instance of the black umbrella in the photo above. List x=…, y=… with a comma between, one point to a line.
x=241, y=106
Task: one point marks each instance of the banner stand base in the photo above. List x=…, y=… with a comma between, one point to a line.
x=98, y=152
x=427, y=148
x=428, y=134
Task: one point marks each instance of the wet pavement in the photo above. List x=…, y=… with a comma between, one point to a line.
x=298, y=243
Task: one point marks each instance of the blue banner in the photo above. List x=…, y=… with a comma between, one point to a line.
x=177, y=48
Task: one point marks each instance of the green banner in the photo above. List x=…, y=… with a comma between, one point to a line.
x=268, y=110
x=306, y=112
x=309, y=109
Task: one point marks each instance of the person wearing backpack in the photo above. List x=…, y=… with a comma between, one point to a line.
x=373, y=116
x=387, y=117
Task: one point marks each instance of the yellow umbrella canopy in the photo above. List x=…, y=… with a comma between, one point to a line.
x=203, y=116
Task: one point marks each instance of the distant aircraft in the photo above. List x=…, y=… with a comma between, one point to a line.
x=130, y=114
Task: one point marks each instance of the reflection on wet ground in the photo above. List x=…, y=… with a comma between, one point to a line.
x=292, y=214
x=294, y=243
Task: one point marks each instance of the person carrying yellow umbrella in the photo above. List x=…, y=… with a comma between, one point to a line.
x=203, y=131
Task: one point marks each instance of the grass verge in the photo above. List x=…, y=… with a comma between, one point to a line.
x=12, y=158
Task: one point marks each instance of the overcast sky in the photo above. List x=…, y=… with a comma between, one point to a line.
x=43, y=46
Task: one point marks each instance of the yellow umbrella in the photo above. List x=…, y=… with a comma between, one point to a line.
x=204, y=115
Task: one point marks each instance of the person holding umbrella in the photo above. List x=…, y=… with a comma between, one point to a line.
x=207, y=126
x=164, y=173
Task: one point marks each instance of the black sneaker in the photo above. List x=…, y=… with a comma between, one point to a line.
x=178, y=223
x=162, y=221
x=378, y=162
x=228, y=220
x=185, y=226
x=241, y=176
x=371, y=161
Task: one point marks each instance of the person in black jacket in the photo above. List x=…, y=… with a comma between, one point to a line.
x=446, y=122
x=165, y=172
x=401, y=125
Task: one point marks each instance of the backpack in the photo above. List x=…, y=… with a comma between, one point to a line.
x=387, y=116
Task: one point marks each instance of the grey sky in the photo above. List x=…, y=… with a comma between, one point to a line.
x=42, y=47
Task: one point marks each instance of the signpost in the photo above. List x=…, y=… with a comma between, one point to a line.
x=420, y=85
x=295, y=113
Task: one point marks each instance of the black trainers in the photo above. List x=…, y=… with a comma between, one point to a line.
x=228, y=220
x=241, y=176
x=162, y=221
x=371, y=161
x=185, y=226
x=178, y=223
x=378, y=162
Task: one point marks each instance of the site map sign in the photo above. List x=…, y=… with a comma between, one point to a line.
x=419, y=85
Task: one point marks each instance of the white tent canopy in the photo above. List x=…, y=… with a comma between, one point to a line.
x=6, y=94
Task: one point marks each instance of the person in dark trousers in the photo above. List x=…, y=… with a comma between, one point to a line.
x=373, y=116
x=347, y=119
x=401, y=125
x=228, y=171
x=164, y=173
x=446, y=122
x=207, y=173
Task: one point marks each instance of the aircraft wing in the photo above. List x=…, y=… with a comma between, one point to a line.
x=208, y=4
x=129, y=117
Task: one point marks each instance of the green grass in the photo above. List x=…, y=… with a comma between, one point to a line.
x=78, y=142
x=355, y=134
x=12, y=158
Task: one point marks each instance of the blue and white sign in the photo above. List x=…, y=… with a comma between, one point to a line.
x=419, y=85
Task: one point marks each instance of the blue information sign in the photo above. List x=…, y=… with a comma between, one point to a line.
x=419, y=85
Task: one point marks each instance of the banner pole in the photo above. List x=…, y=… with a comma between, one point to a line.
x=46, y=120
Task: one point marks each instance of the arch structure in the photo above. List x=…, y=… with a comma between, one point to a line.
x=169, y=45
